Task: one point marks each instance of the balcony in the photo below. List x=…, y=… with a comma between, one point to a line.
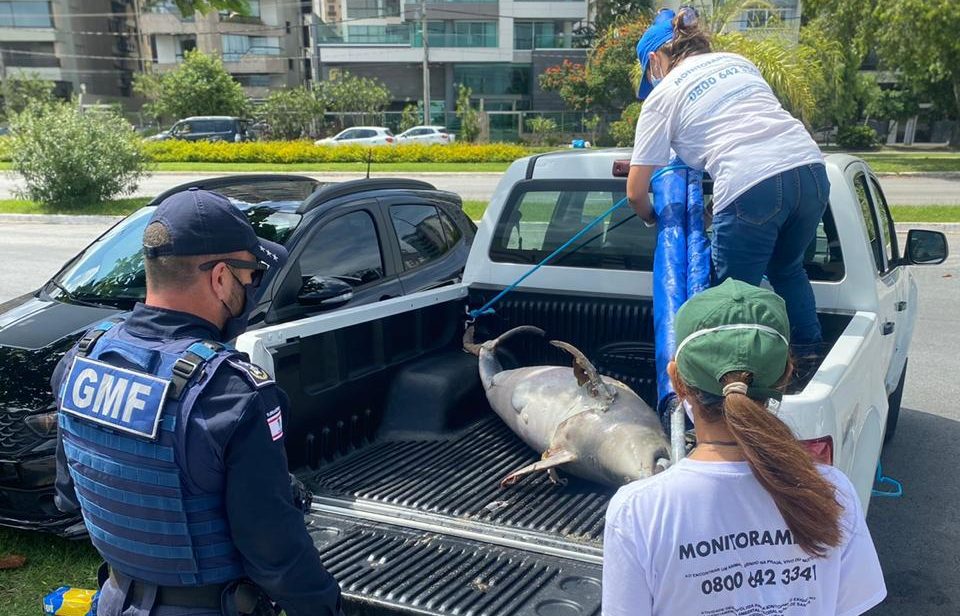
x=166, y=23
x=254, y=63
x=397, y=34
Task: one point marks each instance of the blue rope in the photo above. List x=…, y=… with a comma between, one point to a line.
x=486, y=308
x=883, y=480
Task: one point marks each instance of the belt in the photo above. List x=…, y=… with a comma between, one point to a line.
x=208, y=596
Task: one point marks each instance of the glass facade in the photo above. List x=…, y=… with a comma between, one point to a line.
x=236, y=46
x=25, y=15
x=458, y=34
x=398, y=34
x=494, y=79
x=372, y=9
x=540, y=35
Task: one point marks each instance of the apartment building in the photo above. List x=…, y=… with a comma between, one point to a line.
x=262, y=50
x=495, y=47
x=80, y=46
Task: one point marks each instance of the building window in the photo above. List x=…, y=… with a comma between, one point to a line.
x=765, y=18
x=540, y=35
x=254, y=80
x=30, y=55
x=378, y=35
x=236, y=46
x=494, y=79
x=458, y=34
x=25, y=15
x=360, y=9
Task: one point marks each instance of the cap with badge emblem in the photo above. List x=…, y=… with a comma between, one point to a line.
x=202, y=222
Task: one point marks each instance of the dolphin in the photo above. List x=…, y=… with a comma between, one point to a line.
x=594, y=426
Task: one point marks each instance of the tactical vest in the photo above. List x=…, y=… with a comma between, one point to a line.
x=124, y=409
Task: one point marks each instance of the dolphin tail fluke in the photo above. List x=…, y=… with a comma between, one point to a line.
x=551, y=460
x=585, y=372
x=468, y=344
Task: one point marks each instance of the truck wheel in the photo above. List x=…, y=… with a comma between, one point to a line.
x=893, y=402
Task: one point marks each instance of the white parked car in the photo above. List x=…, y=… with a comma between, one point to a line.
x=426, y=134
x=362, y=135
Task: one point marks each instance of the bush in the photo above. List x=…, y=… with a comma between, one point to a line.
x=71, y=158
x=544, y=130
x=857, y=137
x=409, y=118
x=624, y=130
x=285, y=152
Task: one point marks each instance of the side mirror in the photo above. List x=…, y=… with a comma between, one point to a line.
x=926, y=247
x=324, y=293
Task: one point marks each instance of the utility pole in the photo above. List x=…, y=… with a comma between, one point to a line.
x=426, y=63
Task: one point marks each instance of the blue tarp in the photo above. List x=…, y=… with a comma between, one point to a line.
x=681, y=262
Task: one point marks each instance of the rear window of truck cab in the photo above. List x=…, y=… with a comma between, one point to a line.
x=542, y=215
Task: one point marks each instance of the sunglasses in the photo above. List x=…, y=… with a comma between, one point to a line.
x=257, y=268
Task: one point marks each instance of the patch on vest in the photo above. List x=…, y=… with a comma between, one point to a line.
x=115, y=397
x=257, y=375
x=275, y=422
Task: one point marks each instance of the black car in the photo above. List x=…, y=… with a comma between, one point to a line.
x=350, y=243
x=207, y=128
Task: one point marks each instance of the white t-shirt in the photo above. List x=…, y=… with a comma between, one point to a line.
x=719, y=114
x=706, y=539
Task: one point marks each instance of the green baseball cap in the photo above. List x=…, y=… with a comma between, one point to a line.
x=733, y=327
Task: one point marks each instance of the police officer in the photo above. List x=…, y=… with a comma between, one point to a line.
x=171, y=443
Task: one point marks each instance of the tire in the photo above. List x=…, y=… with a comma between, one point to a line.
x=893, y=402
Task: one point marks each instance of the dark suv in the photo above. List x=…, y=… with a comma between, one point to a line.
x=207, y=128
x=350, y=243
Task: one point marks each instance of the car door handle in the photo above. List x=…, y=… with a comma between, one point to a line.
x=888, y=328
x=901, y=306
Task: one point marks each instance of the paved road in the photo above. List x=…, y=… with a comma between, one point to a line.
x=918, y=536
x=900, y=190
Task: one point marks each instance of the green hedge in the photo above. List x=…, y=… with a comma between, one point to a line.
x=306, y=152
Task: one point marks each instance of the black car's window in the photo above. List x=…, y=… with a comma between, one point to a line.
x=204, y=126
x=450, y=230
x=111, y=269
x=420, y=233
x=347, y=248
x=223, y=126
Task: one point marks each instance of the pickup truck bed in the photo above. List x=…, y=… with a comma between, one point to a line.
x=409, y=479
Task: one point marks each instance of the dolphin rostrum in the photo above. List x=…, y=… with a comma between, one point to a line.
x=595, y=426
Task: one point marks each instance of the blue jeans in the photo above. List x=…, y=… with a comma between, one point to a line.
x=767, y=230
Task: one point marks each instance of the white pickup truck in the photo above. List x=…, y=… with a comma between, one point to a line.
x=390, y=428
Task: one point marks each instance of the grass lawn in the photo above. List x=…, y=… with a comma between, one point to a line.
x=118, y=207
x=900, y=162
x=925, y=213
x=51, y=562
x=323, y=167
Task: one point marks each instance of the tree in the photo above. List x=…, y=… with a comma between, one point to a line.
x=409, y=118
x=345, y=93
x=71, y=157
x=468, y=116
x=609, y=13
x=918, y=38
x=199, y=86
x=543, y=129
x=189, y=7
x=19, y=92
x=292, y=113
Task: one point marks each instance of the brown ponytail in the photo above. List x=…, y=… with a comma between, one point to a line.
x=689, y=39
x=783, y=467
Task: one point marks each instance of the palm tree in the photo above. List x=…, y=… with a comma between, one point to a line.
x=789, y=67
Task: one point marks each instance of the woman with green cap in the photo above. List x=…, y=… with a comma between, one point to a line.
x=770, y=187
x=748, y=523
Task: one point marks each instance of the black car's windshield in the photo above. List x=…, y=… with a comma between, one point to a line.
x=110, y=270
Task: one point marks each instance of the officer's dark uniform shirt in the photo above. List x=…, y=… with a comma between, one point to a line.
x=232, y=450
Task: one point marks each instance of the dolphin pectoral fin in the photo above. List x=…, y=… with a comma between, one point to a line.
x=550, y=460
x=585, y=372
x=468, y=344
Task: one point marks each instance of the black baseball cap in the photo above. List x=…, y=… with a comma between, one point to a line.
x=202, y=222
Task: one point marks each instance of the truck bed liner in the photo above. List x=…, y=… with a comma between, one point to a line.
x=386, y=569
x=452, y=482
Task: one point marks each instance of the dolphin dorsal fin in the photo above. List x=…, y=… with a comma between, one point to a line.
x=586, y=373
